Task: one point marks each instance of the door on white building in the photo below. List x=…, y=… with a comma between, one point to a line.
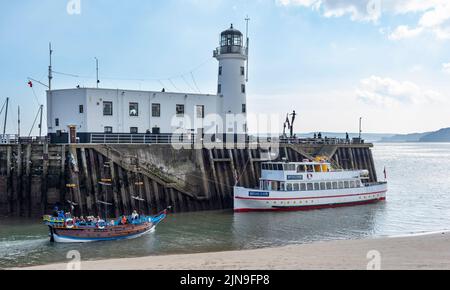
x=72, y=134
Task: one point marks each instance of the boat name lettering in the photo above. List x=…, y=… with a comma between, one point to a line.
x=259, y=194
x=295, y=177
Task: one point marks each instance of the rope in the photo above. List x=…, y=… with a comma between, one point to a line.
x=35, y=120
x=35, y=96
x=195, y=83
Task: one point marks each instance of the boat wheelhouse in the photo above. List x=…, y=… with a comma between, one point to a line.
x=308, y=185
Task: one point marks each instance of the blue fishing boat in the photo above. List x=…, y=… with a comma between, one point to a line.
x=65, y=229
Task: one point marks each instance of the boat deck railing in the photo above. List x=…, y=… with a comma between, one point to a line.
x=375, y=183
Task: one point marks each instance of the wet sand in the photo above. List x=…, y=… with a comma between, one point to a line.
x=428, y=251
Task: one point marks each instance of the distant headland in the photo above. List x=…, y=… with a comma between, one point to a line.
x=442, y=135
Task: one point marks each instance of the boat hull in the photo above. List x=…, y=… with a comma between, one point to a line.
x=251, y=200
x=89, y=235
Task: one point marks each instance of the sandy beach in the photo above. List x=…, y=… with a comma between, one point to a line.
x=418, y=252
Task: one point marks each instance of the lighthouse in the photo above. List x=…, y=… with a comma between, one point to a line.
x=232, y=56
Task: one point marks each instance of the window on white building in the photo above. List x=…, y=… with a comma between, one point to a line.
x=156, y=110
x=57, y=122
x=242, y=71
x=180, y=110
x=134, y=130
x=81, y=108
x=134, y=109
x=243, y=89
x=219, y=89
x=108, y=130
x=244, y=108
x=200, y=111
x=107, y=108
x=220, y=70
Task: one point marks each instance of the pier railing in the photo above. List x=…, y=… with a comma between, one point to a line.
x=321, y=141
x=15, y=139
x=206, y=139
x=141, y=139
x=9, y=139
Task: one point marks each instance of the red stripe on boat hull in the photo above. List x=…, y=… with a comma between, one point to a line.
x=310, y=207
x=308, y=198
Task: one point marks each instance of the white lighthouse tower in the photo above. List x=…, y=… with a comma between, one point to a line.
x=232, y=56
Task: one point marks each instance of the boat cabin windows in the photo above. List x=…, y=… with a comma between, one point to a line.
x=289, y=167
x=301, y=169
x=346, y=184
x=335, y=185
x=329, y=186
x=272, y=166
x=316, y=186
x=274, y=186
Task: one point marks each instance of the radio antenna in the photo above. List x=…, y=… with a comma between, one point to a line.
x=50, y=69
x=247, y=19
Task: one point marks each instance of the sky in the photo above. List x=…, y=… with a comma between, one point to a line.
x=333, y=61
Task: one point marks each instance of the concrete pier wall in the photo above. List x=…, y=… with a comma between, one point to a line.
x=34, y=177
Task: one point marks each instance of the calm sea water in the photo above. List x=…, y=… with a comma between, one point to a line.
x=418, y=201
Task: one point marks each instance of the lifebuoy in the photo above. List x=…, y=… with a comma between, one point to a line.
x=69, y=223
x=310, y=176
x=101, y=224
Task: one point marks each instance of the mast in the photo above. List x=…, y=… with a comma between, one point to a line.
x=40, y=121
x=98, y=81
x=50, y=69
x=360, y=128
x=6, y=117
x=18, y=121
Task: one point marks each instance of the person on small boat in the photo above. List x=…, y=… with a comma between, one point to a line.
x=55, y=212
x=82, y=221
x=135, y=215
x=124, y=220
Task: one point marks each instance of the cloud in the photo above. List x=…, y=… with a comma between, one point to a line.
x=446, y=67
x=388, y=92
x=434, y=18
x=433, y=15
x=359, y=10
x=404, y=31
